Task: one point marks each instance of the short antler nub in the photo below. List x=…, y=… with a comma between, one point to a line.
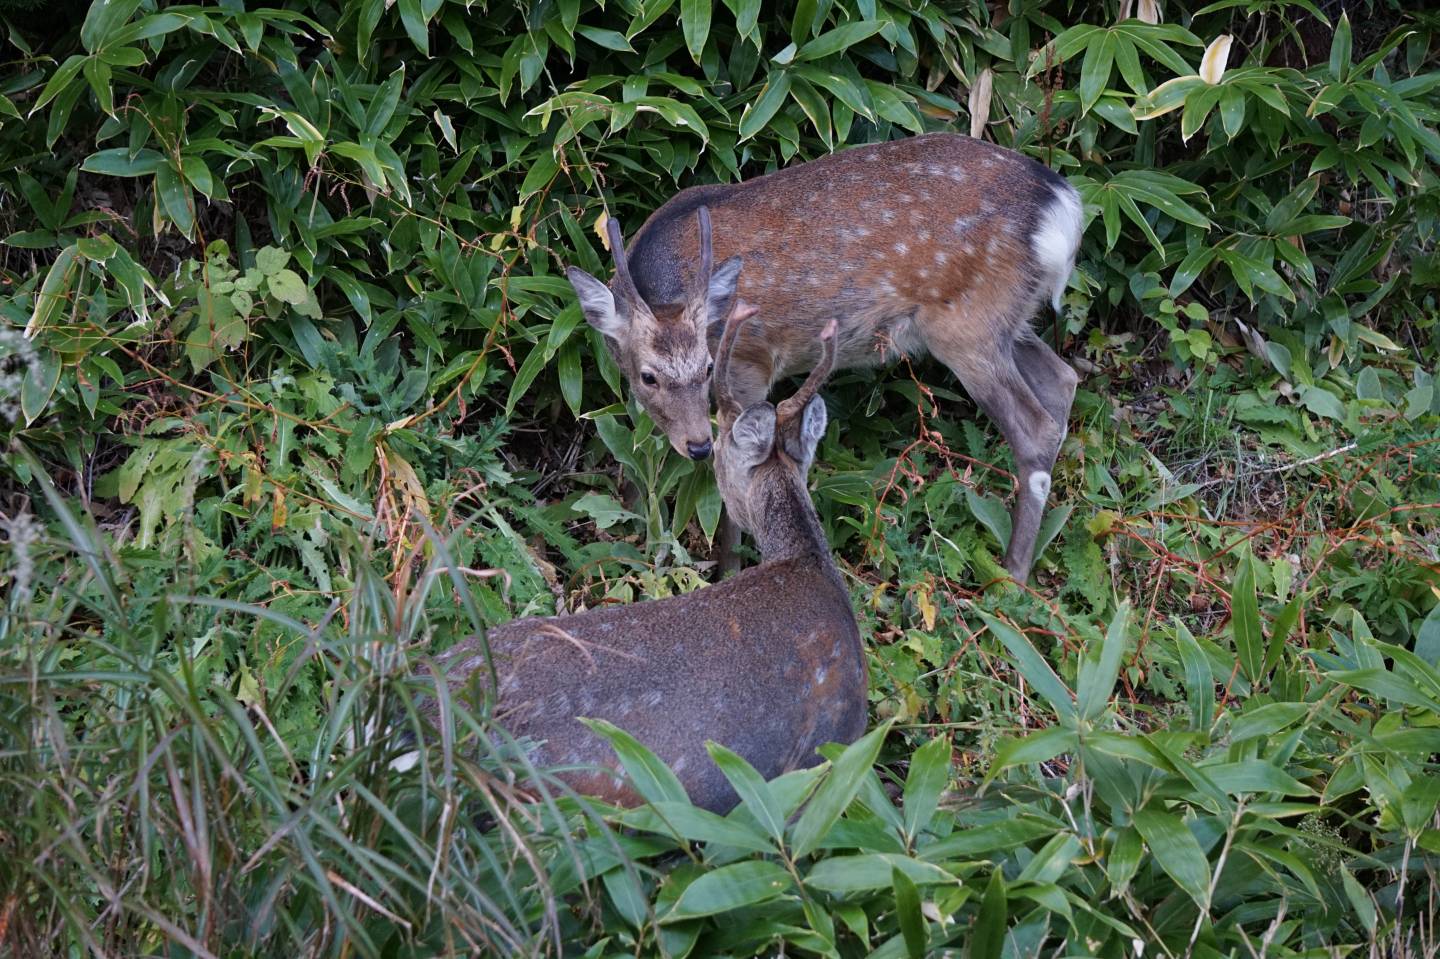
x=741, y=312
x=796, y=404
x=617, y=250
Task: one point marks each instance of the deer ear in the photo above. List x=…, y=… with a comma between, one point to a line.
x=752, y=436
x=596, y=302
x=812, y=428
x=720, y=296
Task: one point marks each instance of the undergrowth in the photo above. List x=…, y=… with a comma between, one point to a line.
x=295, y=396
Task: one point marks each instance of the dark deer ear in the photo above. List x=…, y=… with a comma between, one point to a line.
x=752, y=437
x=596, y=302
x=720, y=296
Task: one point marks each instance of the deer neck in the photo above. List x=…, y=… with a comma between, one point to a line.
x=792, y=528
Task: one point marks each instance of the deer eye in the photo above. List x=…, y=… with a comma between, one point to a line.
x=647, y=378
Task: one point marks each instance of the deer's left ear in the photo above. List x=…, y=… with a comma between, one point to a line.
x=752, y=437
x=720, y=296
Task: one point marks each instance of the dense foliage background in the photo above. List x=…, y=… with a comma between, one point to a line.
x=295, y=395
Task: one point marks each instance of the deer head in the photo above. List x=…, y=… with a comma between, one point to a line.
x=762, y=447
x=666, y=361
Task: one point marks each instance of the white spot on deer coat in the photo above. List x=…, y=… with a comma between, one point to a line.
x=901, y=248
x=1039, y=486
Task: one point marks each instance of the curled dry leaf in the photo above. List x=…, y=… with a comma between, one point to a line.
x=1148, y=11
x=980, y=102
x=1212, y=65
x=600, y=223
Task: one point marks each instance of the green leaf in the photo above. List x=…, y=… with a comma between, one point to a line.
x=1097, y=674
x=868, y=871
x=287, y=287
x=176, y=197
x=928, y=776
x=752, y=789
x=60, y=80
x=730, y=887
x=1176, y=850
x=1340, y=45
x=987, y=936
x=1427, y=637
x=41, y=378
x=603, y=509
x=270, y=260
x=907, y=911
x=1245, y=621
x=991, y=514
x=1034, y=668
x=759, y=112
x=1095, y=70
x=120, y=162
x=1037, y=747
x=841, y=38
x=692, y=823
x=695, y=23
x=844, y=780
x=651, y=778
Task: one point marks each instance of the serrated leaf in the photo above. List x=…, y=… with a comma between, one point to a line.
x=287, y=287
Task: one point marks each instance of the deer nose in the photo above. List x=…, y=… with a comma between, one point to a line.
x=697, y=451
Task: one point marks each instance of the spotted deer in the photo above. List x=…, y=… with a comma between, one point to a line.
x=768, y=663
x=935, y=244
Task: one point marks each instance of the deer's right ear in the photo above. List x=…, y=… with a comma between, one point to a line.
x=752, y=436
x=596, y=302
x=720, y=296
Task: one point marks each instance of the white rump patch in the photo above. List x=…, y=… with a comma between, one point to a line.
x=1040, y=486
x=1057, y=239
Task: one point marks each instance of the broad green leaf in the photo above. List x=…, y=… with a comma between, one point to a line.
x=907, y=912
x=730, y=887
x=928, y=776
x=771, y=98
x=120, y=162
x=695, y=23
x=1245, y=621
x=987, y=936
x=846, y=776
x=1098, y=673
x=696, y=825
x=868, y=871
x=651, y=778
x=287, y=286
x=1034, y=668
x=753, y=790
x=838, y=39
x=1038, y=747
x=41, y=378
x=1176, y=851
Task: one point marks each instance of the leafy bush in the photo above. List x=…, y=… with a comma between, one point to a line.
x=296, y=394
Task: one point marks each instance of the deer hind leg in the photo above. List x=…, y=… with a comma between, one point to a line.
x=994, y=381
x=1050, y=378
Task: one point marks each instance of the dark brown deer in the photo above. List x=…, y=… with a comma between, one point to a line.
x=768, y=663
x=937, y=243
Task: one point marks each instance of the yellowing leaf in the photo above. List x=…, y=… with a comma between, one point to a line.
x=601, y=222
x=1212, y=65
x=927, y=607
x=980, y=102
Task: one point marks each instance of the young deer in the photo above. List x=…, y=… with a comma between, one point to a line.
x=937, y=243
x=769, y=663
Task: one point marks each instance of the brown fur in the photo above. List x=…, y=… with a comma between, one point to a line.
x=929, y=244
x=768, y=663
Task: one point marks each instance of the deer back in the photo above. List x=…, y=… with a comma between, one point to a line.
x=888, y=237
x=768, y=663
